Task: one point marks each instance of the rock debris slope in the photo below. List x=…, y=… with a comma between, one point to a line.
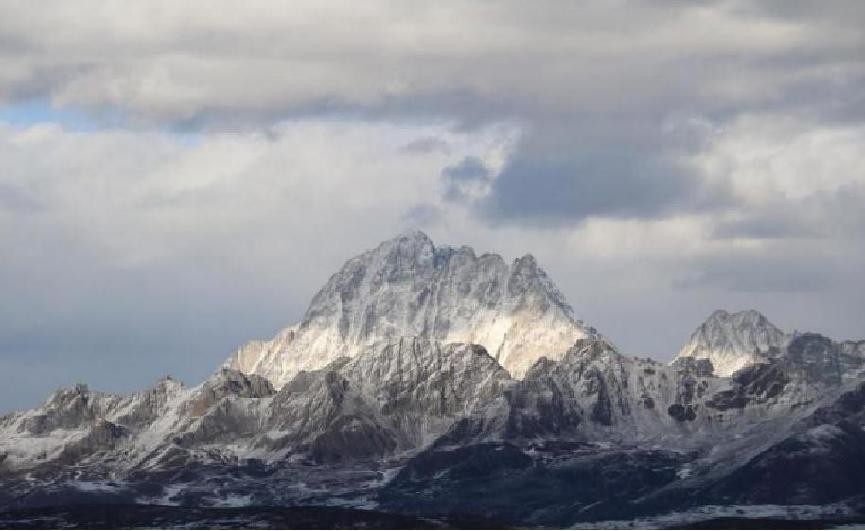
x=409, y=287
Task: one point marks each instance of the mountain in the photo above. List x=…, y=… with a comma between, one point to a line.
x=425, y=429
x=409, y=287
x=731, y=341
x=392, y=415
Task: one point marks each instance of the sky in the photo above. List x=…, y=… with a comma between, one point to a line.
x=177, y=178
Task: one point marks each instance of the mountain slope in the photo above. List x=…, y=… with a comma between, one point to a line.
x=408, y=287
x=733, y=340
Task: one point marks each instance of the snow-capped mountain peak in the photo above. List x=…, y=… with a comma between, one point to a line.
x=407, y=286
x=733, y=340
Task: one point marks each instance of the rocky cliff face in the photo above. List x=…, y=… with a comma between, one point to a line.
x=384, y=401
x=407, y=287
x=733, y=340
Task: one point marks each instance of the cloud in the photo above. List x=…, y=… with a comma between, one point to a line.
x=14, y=199
x=176, y=63
x=791, y=177
x=426, y=144
x=594, y=87
x=585, y=181
x=767, y=270
x=471, y=168
x=179, y=177
x=466, y=179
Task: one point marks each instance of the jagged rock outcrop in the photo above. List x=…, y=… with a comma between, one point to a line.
x=414, y=393
x=78, y=425
x=595, y=393
x=641, y=437
x=408, y=287
x=389, y=399
x=395, y=398
x=731, y=341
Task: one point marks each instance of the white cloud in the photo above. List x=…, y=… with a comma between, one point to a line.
x=173, y=61
x=253, y=148
x=142, y=197
x=772, y=157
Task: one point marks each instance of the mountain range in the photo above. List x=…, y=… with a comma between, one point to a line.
x=431, y=382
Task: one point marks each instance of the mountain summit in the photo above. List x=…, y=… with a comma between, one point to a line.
x=409, y=287
x=733, y=340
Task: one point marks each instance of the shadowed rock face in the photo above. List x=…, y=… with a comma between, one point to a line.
x=531, y=486
x=407, y=287
x=822, y=464
x=700, y=367
x=817, y=358
x=595, y=393
x=808, y=360
x=398, y=397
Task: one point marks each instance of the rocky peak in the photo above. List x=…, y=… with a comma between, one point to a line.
x=733, y=340
x=167, y=385
x=227, y=382
x=408, y=287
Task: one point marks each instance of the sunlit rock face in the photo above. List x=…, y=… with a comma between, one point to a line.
x=408, y=287
x=731, y=341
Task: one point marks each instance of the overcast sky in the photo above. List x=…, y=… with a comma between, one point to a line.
x=179, y=177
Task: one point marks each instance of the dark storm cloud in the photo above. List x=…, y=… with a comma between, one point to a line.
x=586, y=167
x=584, y=181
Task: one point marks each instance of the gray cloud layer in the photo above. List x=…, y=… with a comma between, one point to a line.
x=662, y=158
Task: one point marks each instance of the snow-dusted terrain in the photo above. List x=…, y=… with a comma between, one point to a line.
x=733, y=340
x=429, y=381
x=409, y=287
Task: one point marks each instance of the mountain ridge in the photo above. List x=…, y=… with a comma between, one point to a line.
x=402, y=419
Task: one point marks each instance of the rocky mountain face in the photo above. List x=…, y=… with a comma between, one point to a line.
x=408, y=287
x=384, y=401
x=733, y=340
x=402, y=419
